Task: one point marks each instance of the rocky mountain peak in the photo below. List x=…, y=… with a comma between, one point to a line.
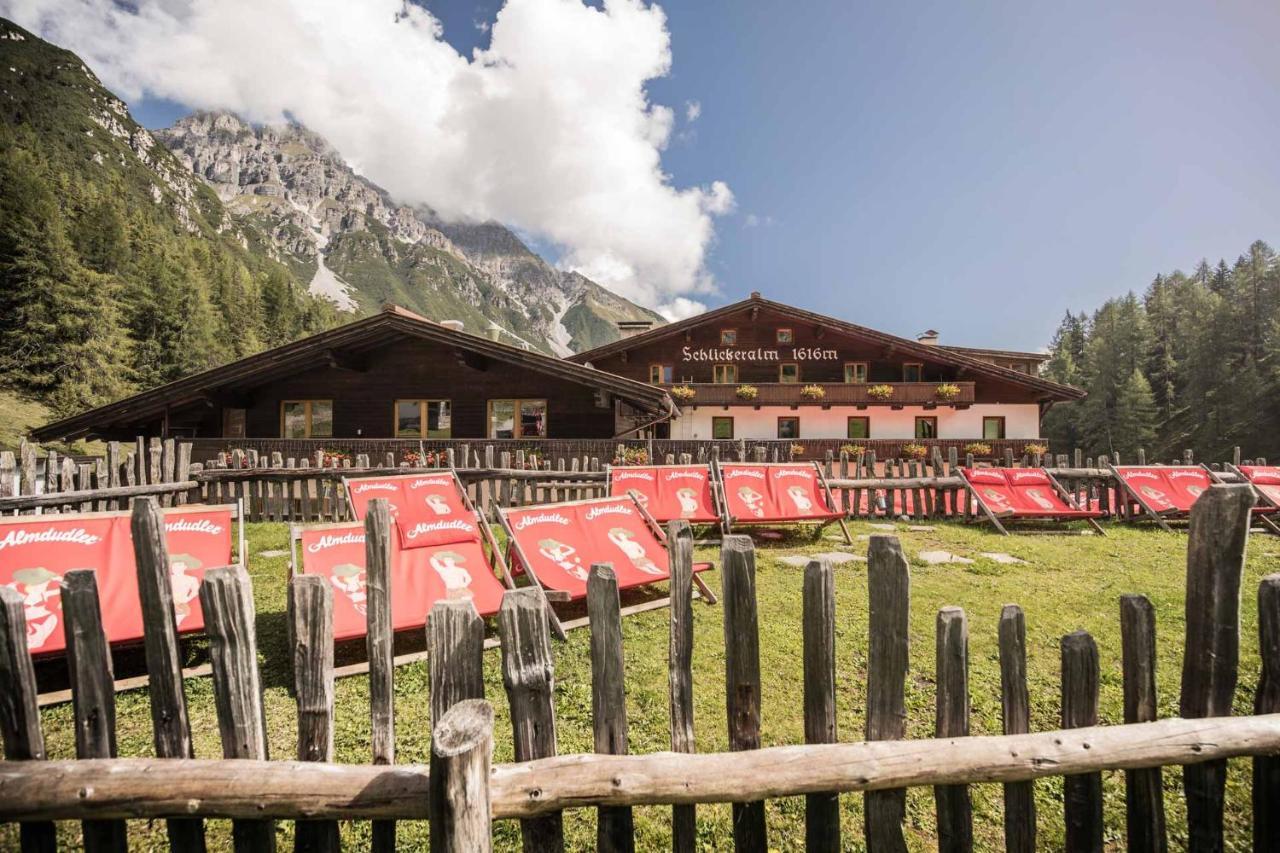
x=358, y=247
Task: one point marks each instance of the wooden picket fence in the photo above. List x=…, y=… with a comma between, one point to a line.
x=460, y=793
x=160, y=468
x=305, y=490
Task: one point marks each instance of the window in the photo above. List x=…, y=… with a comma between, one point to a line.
x=412, y=415
x=306, y=419
x=725, y=374
x=859, y=427
x=517, y=419
x=911, y=371
x=788, y=427
x=1022, y=367
x=722, y=427
x=993, y=427
x=786, y=336
x=788, y=373
x=233, y=423
x=926, y=427
x=855, y=371
x=661, y=374
x=728, y=337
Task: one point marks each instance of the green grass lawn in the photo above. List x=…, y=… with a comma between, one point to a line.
x=1069, y=582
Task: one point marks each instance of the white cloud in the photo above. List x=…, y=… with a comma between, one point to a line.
x=692, y=110
x=549, y=130
x=755, y=220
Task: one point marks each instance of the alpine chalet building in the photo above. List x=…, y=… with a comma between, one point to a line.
x=759, y=369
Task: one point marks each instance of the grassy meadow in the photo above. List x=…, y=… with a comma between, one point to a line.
x=1068, y=582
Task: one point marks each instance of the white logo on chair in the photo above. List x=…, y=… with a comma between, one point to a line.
x=620, y=476
x=422, y=528
x=625, y=540
x=448, y=565
x=185, y=587
x=39, y=590
x=348, y=578
x=564, y=556
x=799, y=498
x=437, y=504
x=325, y=542
x=996, y=499
x=1156, y=496
x=540, y=518
x=688, y=501
x=753, y=500
x=375, y=487
x=203, y=525
x=1039, y=498
x=609, y=509
x=78, y=536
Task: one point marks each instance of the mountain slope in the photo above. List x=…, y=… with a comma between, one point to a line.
x=118, y=269
x=358, y=248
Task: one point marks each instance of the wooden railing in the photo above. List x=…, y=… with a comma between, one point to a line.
x=303, y=490
x=53, y=483
x=461, y=795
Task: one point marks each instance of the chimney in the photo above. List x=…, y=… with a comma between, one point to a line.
x=631, y=328
x=929, y=337
x=453, y=325
x=493, y=331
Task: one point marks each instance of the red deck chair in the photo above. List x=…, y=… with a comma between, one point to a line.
x=37, y=550
x=438, y=551
x=420, y=576
x=1024, y=494
x=556, y=544
x=1162, y=492
x=669, y=492
x=776, y=493
x=1265, y=480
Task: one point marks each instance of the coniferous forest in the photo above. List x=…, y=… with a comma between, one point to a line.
x=1194, y=362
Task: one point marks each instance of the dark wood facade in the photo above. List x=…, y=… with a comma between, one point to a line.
x=362, y=369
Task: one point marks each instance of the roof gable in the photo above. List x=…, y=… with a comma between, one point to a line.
x=906, y=346
x=363, y=334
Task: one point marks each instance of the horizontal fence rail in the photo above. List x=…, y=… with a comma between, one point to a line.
x=149, y=788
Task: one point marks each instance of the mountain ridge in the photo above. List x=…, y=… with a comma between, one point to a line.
x=357, y=247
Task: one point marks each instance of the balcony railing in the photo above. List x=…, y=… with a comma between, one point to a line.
x=833, y=394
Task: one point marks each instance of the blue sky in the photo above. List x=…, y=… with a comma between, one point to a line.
x=977, y=168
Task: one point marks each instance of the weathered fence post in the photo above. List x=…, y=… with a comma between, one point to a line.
x=458, y=791
x=889, y=589
x=310, y=612
x=455, y=640
x=1082, y=793
x=164, y=664
x=377, y=549
x=955, y=812
x=615, y=830
x=93, y=695
x=227, y=602
x=680, y=669
x=1143, y=789
x=822, y=811
x=1019, y=797
x=1220, y=521
x=528, y=675
x=19, y=713
x=742, y=675
x=1266, y=768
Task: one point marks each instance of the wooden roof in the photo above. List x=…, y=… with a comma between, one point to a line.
x=333, y=345
x=1049, y=389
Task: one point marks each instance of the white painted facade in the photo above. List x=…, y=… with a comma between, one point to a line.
x=1022, y=421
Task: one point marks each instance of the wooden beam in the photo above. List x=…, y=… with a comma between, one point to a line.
x=150, y=788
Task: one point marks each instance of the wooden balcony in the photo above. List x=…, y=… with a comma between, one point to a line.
x=834, y=394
